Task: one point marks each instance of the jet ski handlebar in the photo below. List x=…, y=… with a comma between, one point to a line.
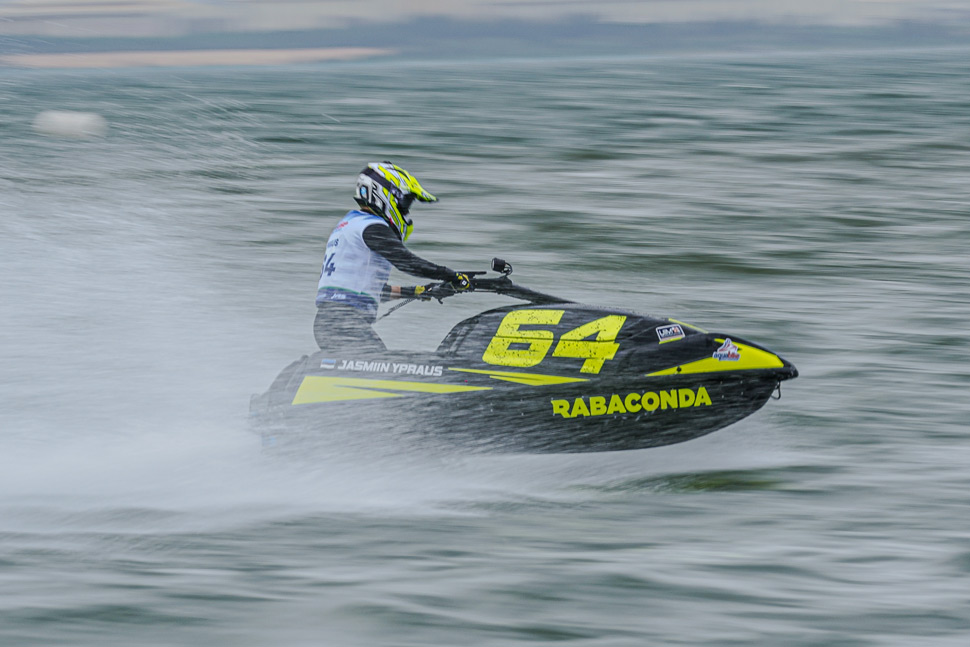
x=502, y=285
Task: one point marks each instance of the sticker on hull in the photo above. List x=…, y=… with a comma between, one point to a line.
x=728, y=352
x=672, y=332
x=635, y=402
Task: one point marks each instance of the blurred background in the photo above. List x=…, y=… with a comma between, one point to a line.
x=56, y=33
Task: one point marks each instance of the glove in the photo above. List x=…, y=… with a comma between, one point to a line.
x=421, y=292
x=460, y=282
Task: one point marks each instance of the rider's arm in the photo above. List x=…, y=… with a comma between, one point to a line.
x=391, y=292
x=381, y=240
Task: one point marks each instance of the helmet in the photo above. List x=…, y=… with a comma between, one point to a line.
x=388, y=191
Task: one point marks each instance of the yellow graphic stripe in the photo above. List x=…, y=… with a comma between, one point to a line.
x=531, y=379
x=317, y=388
x=750, y=359
x=688, y=325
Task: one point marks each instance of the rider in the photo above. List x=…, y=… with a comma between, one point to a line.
x=360, y=252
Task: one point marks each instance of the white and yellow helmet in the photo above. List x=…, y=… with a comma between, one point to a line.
x=388, y=190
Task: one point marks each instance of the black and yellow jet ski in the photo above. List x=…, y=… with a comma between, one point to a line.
x=550, y=375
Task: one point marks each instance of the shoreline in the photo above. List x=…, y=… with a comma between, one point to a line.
x=189, y=58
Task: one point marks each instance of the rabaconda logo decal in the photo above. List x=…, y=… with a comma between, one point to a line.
x=598, y=405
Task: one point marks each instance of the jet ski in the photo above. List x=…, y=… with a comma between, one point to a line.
x=547, y=375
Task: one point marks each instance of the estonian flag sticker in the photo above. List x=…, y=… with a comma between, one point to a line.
x=328, y=363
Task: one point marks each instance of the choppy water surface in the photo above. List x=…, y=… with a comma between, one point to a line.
x=155, y=278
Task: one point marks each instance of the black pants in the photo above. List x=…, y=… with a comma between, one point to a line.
x=345, y=328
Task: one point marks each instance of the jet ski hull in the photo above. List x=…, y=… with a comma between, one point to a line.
x=468, y=404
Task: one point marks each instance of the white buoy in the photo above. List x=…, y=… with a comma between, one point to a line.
x=64, y=123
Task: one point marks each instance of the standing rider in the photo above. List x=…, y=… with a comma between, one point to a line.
x=360, y=252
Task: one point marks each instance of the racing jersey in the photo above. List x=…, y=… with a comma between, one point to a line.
x=360, y=252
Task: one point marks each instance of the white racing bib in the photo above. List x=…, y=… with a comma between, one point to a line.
x=352, y=274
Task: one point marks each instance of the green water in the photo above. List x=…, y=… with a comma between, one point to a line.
x=155, y=278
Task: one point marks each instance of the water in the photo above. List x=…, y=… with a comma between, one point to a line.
x=155, y=278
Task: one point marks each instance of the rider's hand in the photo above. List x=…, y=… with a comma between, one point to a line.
x=421, y=292
x=460, y=282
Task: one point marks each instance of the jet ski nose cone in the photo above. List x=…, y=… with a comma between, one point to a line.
x=789, y=372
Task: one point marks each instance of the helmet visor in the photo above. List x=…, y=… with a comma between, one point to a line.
x=404, y=203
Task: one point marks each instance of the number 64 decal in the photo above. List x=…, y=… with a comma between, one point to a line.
x=573, y=343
